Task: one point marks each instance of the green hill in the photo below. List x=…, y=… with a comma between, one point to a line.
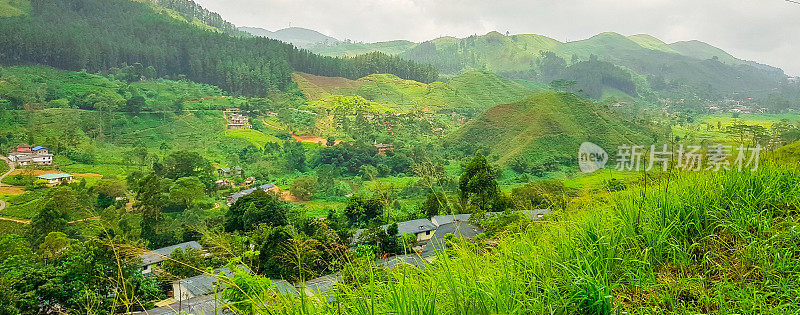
x=789, y=154
x=298, y=36
x=548, y=126
x=472, y=92
x=493, y=52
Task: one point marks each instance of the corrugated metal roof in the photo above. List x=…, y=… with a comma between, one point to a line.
x=54, y=176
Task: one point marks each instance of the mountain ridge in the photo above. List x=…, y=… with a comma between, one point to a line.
x=298, y=36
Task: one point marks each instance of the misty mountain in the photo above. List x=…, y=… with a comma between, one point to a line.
x=298, y=36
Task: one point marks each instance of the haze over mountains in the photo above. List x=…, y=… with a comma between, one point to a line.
x=300, y=37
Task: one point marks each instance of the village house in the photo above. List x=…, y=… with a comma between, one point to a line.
x=56, y=178
x=24, y=155
x=156, y=257
x=421, y=228
x=238, y=121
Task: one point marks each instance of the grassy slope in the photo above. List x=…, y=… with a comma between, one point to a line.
x=699, y=131
x=651, y=42
x=255, y=137
x=202, y=131
x=700, y=243
x=701, y=50
x=547, y=125
x=789, y=154
x=473, y=91
x=14, y=7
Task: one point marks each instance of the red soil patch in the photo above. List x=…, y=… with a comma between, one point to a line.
x=287, y=196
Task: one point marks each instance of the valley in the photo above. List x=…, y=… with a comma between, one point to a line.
x=159, y=159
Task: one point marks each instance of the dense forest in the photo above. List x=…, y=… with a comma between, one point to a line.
x=190, y=10
x=97, y=35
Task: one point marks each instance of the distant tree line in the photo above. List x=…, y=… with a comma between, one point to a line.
x=96, y=35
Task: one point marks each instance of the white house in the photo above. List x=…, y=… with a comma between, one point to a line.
x=56, y=178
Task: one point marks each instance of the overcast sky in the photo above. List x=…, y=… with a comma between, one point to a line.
x=766, y=31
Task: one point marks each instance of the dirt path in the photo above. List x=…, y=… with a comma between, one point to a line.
x=11, y=168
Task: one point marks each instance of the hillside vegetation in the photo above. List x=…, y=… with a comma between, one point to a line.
x=690, y=243
x=471, y=92
x=14, y=7
x=60, y=33
x=688, y=70
x=545, y=128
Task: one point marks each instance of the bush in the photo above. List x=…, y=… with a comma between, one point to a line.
x=78, y=156
x=304, y=187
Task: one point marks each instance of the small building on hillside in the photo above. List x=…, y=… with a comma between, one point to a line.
x=422, y=228
x=238, y=121
x=56, y=178
x=156, y=257
x=24, y=155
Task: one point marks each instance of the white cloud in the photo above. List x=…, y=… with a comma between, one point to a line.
x=766, y=31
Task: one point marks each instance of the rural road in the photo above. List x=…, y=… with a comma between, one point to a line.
x=3, y=202
x=10, y=169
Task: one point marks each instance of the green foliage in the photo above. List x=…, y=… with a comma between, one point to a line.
x=478, y=185
x=250, y=66
x=435, y=204
x=545, y=194
x=186, y=164
x=304, y=187
x=546, y=129
x=184, y=264
x=663, y=239
x=361, y=211
x=186, y=190
x=14, y=7
x=108, y=189
x=256, y=208
x=295, y=155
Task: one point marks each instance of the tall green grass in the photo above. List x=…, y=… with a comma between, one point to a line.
x=689, y=243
